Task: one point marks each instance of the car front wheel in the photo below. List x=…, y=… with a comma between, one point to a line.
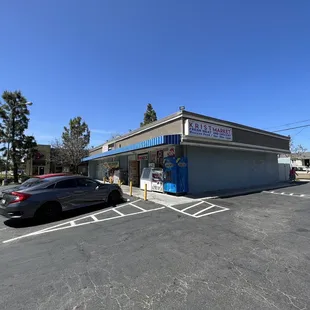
x=114, y=198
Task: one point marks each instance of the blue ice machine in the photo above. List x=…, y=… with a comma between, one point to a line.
x=175, y=175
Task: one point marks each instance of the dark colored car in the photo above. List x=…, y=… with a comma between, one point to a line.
x=46, y=197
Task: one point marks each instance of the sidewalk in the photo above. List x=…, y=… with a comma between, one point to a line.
x=160, y=198
x=171, y=200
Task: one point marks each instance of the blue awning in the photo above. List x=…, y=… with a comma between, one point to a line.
x=167, y=139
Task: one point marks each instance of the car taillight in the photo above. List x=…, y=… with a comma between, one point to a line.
x=19, y=197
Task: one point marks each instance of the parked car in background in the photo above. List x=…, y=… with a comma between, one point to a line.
x=47, y=196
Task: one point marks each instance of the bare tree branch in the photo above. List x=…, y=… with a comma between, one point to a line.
x=297, y=151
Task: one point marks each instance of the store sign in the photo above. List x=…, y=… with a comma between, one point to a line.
x=111, y=165
x=207, y=130
x=143, y=156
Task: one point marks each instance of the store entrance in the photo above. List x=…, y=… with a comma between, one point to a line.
x=143, y=164
x=133, y=172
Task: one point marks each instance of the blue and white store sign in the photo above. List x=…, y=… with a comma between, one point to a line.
x=207, y=130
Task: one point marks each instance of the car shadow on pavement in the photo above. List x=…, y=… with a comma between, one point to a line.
x=24, y=223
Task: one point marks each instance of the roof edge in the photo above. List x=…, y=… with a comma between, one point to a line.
x=245, y=127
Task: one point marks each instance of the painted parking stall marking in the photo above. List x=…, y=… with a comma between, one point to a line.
x=288, y=194
x=198, y=209
x=100, y=216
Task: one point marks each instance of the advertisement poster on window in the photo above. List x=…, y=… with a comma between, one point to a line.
x=160, y=157
x=153, y=157
x=134, y=172
x=170, y=152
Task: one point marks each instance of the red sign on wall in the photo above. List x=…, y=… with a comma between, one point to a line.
x=143, y=156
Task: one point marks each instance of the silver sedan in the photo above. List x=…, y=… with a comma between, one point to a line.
x=46, y=198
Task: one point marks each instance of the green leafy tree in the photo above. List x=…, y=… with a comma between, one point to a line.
x=2, y=164
x=14, y=116
x=73, y=145
x=149, y=116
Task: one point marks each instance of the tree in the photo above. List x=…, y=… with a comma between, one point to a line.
x=14, y=116
x=149, y=116
x=297, y=151
x=72, y=147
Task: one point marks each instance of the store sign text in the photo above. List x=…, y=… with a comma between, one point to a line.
x=111, y=165
x=207, y=130
x=143, y=156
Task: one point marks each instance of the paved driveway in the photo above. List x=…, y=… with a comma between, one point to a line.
x=253, y=255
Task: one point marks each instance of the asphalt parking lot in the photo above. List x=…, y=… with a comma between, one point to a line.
x=245, y=252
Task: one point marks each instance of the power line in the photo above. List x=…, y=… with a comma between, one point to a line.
x=308, y=125
x=299, y=132
x=289, y=124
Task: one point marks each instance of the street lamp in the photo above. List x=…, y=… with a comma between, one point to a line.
x=29, y=103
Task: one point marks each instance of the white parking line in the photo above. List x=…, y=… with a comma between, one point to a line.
x=76, y=223
x=94, y=218
x=133, y=205
x=62, y=226
x=193, y=206
x=209, y=213
x=203, y=210
x=200, y=213
x=288, y=194
x=120, y=213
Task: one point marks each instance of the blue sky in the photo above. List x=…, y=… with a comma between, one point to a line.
x=243, y=61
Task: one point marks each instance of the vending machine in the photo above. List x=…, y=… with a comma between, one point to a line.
x=152, y=178
x=175, y=175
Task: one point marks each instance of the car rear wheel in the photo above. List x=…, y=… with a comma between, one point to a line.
x=48, y=212
x=114, y=198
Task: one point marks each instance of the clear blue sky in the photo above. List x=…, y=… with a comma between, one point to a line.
x=244, y=61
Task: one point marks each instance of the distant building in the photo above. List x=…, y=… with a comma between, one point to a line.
x=298, y=160
x=302, y=160
x=42, y=162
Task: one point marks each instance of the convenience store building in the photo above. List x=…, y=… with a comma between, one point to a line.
x=221, y=155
